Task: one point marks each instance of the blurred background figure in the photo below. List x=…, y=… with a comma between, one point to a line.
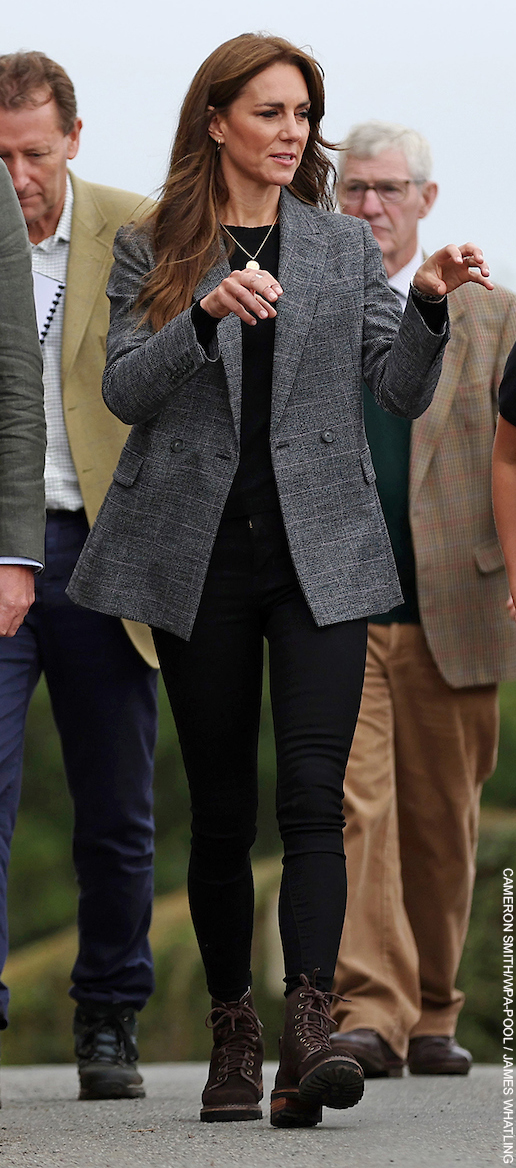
x=427, y=733
x=504, y=474
x=22, y=430
x=103, y=691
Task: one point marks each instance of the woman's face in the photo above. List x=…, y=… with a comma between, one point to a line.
x=265, y=130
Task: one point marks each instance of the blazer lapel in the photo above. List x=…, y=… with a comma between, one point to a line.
x=88, y=266
x=301, y=266
x=427, y=430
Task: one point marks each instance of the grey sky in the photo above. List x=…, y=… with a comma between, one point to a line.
x=445, y=67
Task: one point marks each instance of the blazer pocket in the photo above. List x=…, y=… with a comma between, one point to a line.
x=489, y=556
x=128, y=468
x=367, y=466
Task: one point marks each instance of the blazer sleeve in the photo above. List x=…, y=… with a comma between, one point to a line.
x=144, y=367
x=22, y=419
x=401, y=365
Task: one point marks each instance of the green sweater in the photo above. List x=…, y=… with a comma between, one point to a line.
x=389, y=440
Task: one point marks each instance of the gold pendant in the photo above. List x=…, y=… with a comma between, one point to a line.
x=252, y=264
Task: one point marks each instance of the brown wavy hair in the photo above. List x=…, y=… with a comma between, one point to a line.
x=184, y=226
x=24, y=76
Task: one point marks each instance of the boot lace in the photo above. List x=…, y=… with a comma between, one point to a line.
x=236, y=1030
x=108, y=1039
x=313, y=1020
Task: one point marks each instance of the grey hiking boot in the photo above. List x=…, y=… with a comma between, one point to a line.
x=106, y=1052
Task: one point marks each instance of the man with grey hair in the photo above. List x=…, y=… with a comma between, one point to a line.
x=427, y=734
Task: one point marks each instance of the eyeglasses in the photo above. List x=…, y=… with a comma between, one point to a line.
x=354, y=193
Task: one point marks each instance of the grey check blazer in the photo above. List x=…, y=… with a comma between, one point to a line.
x=338, y=322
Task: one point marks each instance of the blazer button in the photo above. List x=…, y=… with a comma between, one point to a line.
x=177, y=446
x=328, y=436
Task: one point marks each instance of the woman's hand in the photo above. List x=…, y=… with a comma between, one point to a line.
x=450, y=267
x=250, y=295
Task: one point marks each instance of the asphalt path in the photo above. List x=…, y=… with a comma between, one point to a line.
x=414, y=1122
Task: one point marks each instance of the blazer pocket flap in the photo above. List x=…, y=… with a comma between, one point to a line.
x=367, y=466
x=489, y=556
x=127, y=470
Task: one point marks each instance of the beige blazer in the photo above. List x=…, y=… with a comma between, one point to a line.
x=461, y=580
x=96, y=437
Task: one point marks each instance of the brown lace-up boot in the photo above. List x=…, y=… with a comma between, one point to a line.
x=310, y=1073
x=234, y=1086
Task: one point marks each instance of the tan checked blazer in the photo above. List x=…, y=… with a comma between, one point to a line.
x=96, y=437
x=461, y=580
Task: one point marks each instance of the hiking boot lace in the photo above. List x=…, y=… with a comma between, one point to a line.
x=108, y=1039
x=236, y=1048
x=313, y=1021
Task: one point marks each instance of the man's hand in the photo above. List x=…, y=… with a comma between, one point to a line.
x=16, y=596
x=450, y=267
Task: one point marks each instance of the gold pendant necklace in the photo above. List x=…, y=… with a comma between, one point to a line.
x=251, y=263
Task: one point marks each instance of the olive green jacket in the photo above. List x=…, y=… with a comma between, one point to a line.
x=22, y=419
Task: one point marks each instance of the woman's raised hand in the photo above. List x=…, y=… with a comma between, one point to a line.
x=450, y=267
x=250, y=295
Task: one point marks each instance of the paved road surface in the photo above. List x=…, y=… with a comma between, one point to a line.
x=420, y=1122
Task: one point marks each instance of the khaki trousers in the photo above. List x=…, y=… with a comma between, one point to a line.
x=420, y=754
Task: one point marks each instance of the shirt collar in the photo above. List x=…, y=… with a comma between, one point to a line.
x=64, y=227
x=400, y=282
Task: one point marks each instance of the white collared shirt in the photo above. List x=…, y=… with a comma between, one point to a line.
x=50, y=257
x=400, y=282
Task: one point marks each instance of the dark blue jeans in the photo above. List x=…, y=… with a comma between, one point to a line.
x=214, y=685
x=104, y=703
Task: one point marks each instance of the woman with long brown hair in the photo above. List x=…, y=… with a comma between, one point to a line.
x=244, y=316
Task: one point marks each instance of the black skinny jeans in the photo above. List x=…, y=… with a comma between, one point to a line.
x=214, y=684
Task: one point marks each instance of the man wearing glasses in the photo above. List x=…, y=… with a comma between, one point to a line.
x=427, y=734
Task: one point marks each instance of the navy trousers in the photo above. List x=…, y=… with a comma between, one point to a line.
x=104, y=703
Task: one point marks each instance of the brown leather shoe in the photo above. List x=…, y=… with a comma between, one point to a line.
x=234, y=1086
x=311, y=1074
x=377, y=1059
x=435, y=1054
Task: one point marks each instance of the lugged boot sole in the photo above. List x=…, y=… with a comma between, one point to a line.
x=113, y=1090
x=332, y=1084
